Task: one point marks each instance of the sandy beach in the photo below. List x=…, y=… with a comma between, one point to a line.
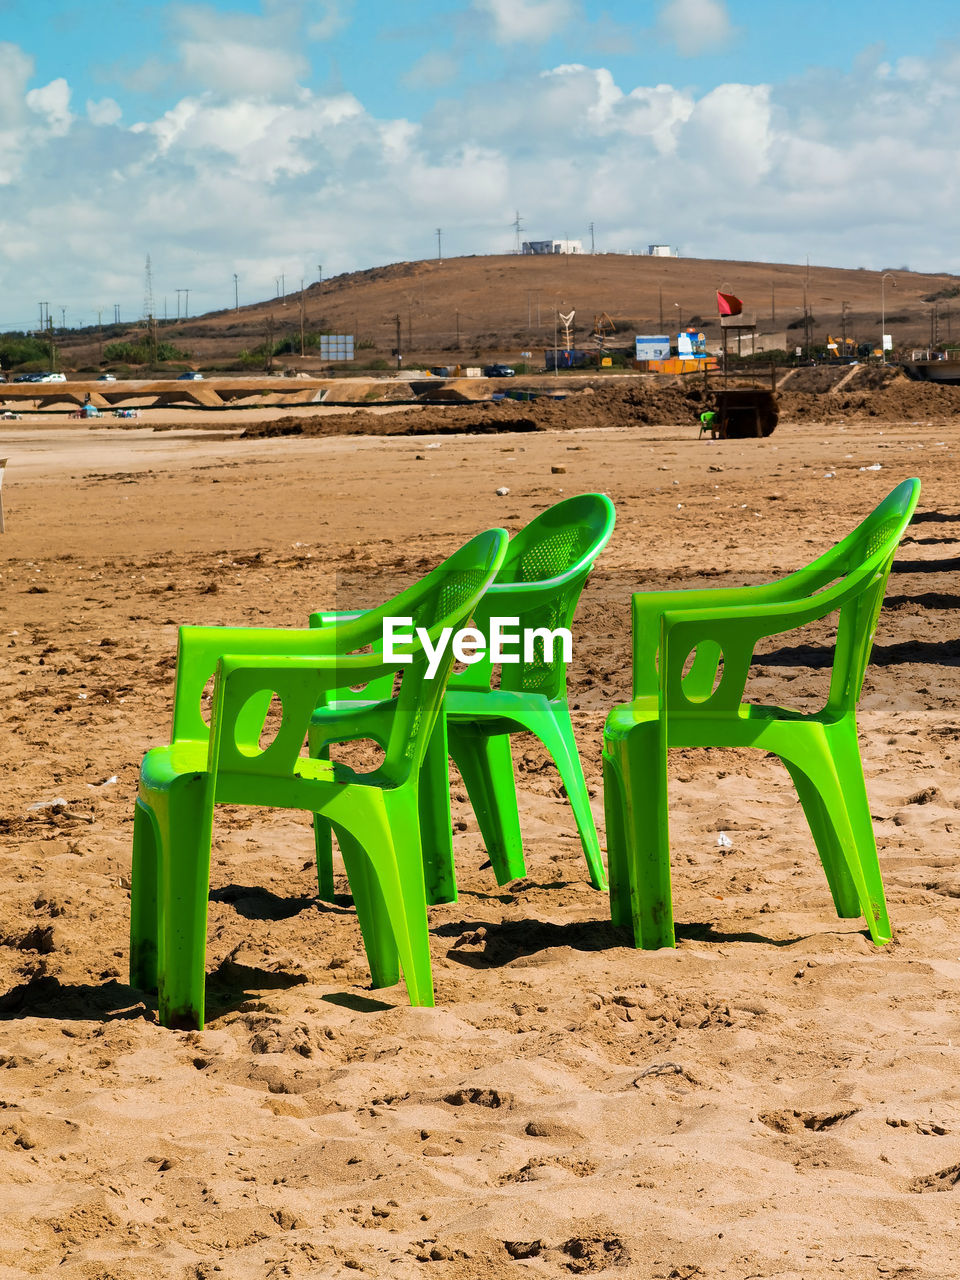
x=775, y=1098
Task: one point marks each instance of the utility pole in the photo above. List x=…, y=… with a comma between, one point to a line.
x=63, y=317
x=439, y=244
x=147, y=289
x=320, y=277
x=592, y=247
x=179, y=291
x=399, y=353
x=186, y=304
x=806, y=319
x=236, y=292
x=116, y=313
x=283, y=289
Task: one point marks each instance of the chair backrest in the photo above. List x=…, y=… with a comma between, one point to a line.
x=443, y=601
x=850, y=578
x=540, y=582
x=862, y=562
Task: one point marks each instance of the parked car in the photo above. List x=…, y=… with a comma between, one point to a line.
x=27, y=377
x=190, y=376
x=107, y=377
x=51, y=377
x=498, y=371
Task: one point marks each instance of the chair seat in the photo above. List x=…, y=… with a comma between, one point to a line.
x=494, y=710
x=750, y=720
x=162, y=766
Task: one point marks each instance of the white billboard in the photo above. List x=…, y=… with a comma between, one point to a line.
x=656, y=348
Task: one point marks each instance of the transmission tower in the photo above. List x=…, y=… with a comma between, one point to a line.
x=147, y=289
x=518, y=227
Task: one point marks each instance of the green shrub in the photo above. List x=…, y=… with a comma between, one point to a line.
x=143, y=352
x=19, y=348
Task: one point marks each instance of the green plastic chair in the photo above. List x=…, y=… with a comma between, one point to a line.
x=540, y=583
x=703, y=707
x=375, y=815
x=708, y=421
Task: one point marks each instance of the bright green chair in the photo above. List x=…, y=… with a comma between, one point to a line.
x=375, y=815
x=539, y=585
x=703, y=707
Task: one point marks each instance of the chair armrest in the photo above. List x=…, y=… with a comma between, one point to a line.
x=335, y=617
x=648, y=608
x=200, y=648
x=248, y=681
x=729, y=632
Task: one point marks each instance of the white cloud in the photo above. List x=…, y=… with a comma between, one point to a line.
x=233, y=67
x=432, y=71
x=730, y=128
x=52, y=102
x=331, y=16
x=695, y=26
x=521, y=21
x=106, y=111
x=231, y=53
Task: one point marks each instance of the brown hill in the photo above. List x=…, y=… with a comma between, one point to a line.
x=476, y=308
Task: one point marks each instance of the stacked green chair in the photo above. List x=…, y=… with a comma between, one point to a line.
x=375, y=815
x=539, y=585
x=703, y=707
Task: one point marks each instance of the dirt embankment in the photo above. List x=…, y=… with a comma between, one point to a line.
x=870, y=393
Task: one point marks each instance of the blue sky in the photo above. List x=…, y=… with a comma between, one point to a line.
x=266, y=137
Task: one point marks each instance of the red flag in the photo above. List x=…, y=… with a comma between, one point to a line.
x=728, y=305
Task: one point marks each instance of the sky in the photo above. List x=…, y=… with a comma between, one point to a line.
x=278, y=140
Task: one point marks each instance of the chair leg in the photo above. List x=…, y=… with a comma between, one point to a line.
x=642, y=767
x=842, y=888
x=384, y=859
x=184, y=816
x=143, y=901
x=436, y=830
x=618, y=862
x=486, y=764
x=372, y=914
x=406, y=900
x=560, y=742
x=323, y=841
x=847, y=796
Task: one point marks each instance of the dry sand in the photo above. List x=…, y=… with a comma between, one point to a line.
x=775, y=1098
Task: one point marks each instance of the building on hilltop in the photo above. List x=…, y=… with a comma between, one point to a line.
x=661, y=251
x=553, y=246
